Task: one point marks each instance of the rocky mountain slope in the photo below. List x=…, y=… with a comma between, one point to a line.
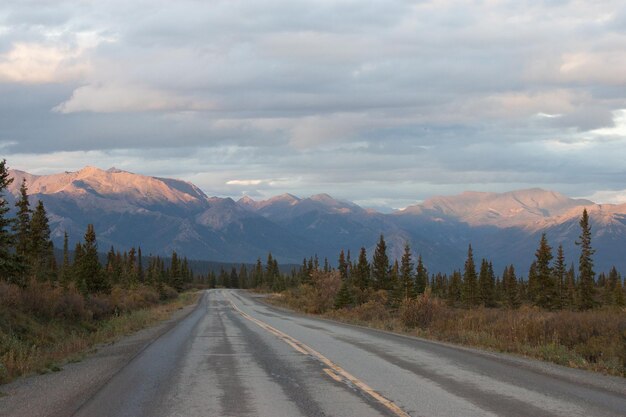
x=163, y=214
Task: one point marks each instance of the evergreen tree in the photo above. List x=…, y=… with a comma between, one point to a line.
x=470, y=284
x=380, y=266
x=532, y=290
x=559, y=278
x=362, y=271
x=395, y=294
x=570, y=292
x=544, y=291
x=176, y=277
x=66, y=273
x=41, y=248
x=10, y=269
x=344, y=297
x=421, y=276
x=269, y=271
x=406, y=274
x=454, y=289
x=585, y=266
x=510, y=287
x=343, y=266
x=234, y=278
x=486, y=284
x=257, y=274
x=21, y=226
x=243, y=276
x=140, y=272
x=90, y=272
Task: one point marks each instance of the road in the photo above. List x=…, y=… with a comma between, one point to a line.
x=236, y=356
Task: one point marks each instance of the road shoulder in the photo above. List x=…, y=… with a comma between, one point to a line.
x=62, y=393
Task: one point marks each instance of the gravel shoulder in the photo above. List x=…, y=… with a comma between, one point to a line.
x=62, y=393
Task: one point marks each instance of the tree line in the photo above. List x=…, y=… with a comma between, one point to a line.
x=27, y=254
x=549, y=284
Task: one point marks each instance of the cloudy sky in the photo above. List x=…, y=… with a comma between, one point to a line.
x=381, y=102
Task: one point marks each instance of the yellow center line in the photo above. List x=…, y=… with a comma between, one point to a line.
x=334, y=371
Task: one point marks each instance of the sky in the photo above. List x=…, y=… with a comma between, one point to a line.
x=384, y=103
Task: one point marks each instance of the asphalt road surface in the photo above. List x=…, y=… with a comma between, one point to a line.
x=235, y=356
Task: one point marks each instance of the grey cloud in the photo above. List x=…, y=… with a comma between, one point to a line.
x=377, y=101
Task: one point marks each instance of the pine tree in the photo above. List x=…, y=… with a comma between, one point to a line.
x=544, y=290
x=10, y=269
x=343, y=266
x=509, y=280
x=532, y=290
x=362, y=273
x=406, y=274
x=21, y=226
x=559, y=278
x=395, y=293
x=90, y=270
x=380, y=266
x=176, y=277
x=470, y=284
x=243, y=276
x=270, y=275
x=257, y=274
x=421, y=276
x=140, y=271
x=585, y=266
x=234, y=278
x=454, y=289
x=66, y=274
x=570, y=292
x=41, y=248
x=344, y=297
x=486, y=284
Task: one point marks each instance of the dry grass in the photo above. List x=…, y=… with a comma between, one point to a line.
x=43, y=326
x=593, y=340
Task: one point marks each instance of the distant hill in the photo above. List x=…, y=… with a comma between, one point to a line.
x=163, y=214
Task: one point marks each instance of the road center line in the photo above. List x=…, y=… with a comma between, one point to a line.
x=335, y=371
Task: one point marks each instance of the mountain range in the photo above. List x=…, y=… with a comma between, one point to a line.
x=162, y=215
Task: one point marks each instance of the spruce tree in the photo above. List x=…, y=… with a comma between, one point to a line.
x=470, y=284
x=544, y=290
x=10, y=269
x=406, y=274
x=560, y=273
x=243, y=276
x=421, y=276
x=21, y=226
x=362, y=273
x=65, y=275
x=509, y=280
x=176, y=277
x=344, y=297
x=570, y=292
x=140, y=271
x=486, y=284
x=41, y=250
x=380, y=266
x=585, y=265
x=343, y=266
x=455, y=288
x=89, y=265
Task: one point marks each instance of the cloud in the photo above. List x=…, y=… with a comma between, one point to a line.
x=126, y=98
x=32, y=63
x=386, y=102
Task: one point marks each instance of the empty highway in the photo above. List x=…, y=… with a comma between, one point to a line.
x=235, y=356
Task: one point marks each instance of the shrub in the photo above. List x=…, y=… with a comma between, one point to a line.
x=420, y=312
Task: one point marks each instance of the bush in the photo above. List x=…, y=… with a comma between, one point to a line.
x=420, y=312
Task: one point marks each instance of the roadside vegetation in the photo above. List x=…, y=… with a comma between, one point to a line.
x=569, y=316
x=54, y=311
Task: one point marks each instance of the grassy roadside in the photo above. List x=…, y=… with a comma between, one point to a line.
x=31, y=343
x=591, y=340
